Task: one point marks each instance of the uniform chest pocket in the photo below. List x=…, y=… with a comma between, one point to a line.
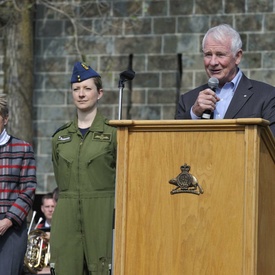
x=101, y=171
x=63, y=173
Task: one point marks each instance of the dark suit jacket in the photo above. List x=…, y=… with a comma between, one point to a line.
x=252, y=99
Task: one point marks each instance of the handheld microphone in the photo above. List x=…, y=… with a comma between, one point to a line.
x=213, y=83
x=127, y=75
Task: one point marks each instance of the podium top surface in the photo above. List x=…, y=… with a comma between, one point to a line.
x=191, y=123
x=239, y=124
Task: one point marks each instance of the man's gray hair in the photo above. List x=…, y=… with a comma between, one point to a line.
x=222, y=32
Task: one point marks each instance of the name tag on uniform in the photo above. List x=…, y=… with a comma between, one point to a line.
x=102, y=137
x=64, y=138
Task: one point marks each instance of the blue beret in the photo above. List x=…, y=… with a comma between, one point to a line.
x=81, y=72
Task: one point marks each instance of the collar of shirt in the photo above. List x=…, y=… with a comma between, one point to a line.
x=4, y=137
x=226, y=94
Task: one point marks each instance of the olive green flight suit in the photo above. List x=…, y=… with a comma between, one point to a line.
x=84, y=167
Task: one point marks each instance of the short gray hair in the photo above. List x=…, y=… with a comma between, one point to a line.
x=223, y=31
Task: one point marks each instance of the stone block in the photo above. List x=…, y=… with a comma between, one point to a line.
x=261, y=41
x=168, y=111
x=194, y=24
x=45, y=146
x=221, y=19
x=96, y=45
x=162, y=62
x=267, y=76
x=250, y=22
x=127, y=9
x=137, y=44
x=164, y=25
x=146, y=112
x=156, y=8
x=235, y=6
x=258, y=6
x=114, y=62
x=107, y=26
x=147, y=80
x=57, y=81
x=178, y=7
x=192, y=61
x=95, y=9
x=170, y=80
x=138, y=96
x=269, y=60
x=44, y=165
x=162, y=96
x=181, y=43
x=50, y=64
x=211, y=7
x=138, y=26
x=44, y=98
x=49, y=28
x=269, y=22
x=58, y=46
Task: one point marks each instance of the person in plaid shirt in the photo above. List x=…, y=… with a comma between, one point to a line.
x=17, y=191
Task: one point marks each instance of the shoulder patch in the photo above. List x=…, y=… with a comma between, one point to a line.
x=61, y=128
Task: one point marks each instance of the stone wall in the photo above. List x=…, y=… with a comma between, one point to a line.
x=160, y=39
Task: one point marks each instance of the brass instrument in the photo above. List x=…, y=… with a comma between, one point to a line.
x=37, y=255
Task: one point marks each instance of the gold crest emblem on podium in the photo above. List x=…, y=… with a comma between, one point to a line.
x=186, y=182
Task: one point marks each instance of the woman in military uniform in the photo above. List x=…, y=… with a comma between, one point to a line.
x=84, y=160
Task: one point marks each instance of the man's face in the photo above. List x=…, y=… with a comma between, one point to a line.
x=219, y=60
x=48, y=208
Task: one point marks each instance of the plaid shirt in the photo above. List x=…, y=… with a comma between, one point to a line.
x=17, y=179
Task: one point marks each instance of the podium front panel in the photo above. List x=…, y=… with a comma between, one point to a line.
x=213, y=232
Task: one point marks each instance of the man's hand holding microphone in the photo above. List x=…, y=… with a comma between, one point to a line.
x=207, y=99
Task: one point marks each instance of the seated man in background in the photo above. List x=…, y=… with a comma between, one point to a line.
x=47, y=208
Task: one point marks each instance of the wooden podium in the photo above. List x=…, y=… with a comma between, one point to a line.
x=220, y=219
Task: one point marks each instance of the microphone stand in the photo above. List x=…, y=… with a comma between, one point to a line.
x=121, y=87
x=124, y=76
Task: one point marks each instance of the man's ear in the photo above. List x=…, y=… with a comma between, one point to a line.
x=6, y=121
x=239, y=57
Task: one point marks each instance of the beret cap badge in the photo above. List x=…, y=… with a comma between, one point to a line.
x=82, y=71
x=84, y=66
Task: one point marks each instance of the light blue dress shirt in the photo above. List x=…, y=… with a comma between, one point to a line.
x=225, y=94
